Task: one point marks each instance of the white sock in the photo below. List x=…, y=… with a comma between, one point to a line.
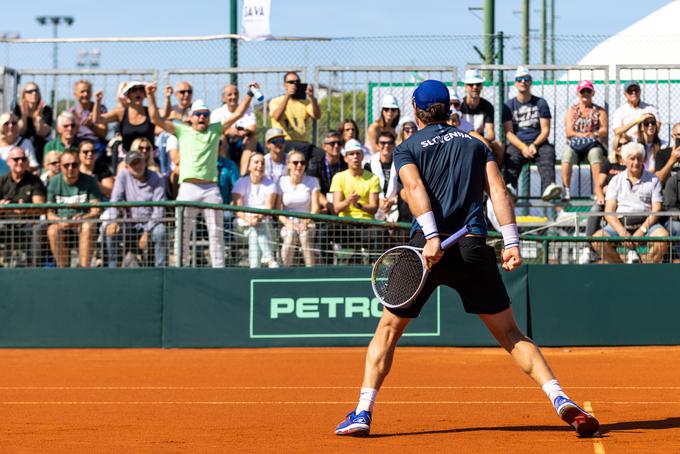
x=552, y=389
x=366, y=400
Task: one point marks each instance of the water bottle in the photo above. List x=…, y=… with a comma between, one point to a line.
x=257, y=94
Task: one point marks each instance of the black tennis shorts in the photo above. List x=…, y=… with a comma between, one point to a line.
x=470, y=268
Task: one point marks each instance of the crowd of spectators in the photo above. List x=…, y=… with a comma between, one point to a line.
x=184, y=150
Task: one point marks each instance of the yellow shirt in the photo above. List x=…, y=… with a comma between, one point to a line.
x=363, y=185
x=294, y=118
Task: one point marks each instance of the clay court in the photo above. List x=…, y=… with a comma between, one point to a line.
x=465, y=400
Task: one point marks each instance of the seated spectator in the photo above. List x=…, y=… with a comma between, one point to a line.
x=10, y=138
x=669, y=153
x=275, y=159
x=66, y=139
x=648, y=135
x=407, y=129
x=526, y=121
x=99, y=170
x=256, y=191
x=184, y=93
x=479, y=112
x=145, y=148
x=136, y=183
x=324, y=168
x=455, y=116
x=20, y=186
x=349, y=130
x=388, y=121
x=355, y=190
x=671, y=202
x=35, y=119
x=300, y=194
x=51, y=167
x=87, y=129
x=381, y=166
x=291, y=114
x=133, y=117
x=587, y=127
x=635, y=190
x=240, y=139
x=68, y=188
x=627, y=116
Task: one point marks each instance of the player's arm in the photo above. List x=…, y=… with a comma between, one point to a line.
x=504, y=211
x=419, y=204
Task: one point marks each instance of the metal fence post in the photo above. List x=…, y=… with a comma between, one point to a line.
x=179, y=235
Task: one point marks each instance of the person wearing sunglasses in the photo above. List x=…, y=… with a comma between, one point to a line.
x=275, y=160
x=299, y=193
x=184, y=93
x=480, y=112
x=632, y=111
x=198, y=145
x=51, y=166
x=35, y=118
x=526, y=121
x=387, y=121
x=68, y=188
x=406, y=130
x=325, y=167
x=97, y=169
x=67, y=134
x=381, y=165
x=10, y=137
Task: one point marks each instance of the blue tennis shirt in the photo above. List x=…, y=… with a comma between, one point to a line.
x=452, y=166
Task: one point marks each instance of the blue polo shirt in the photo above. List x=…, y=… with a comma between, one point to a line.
x=452, y=166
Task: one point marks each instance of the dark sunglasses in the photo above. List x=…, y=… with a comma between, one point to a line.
x=630, y=91
x=390, y=109
x=184, y=92
x=409, y=129
x=478, y=84
x=586, y=91
x=456, y=103
x=333, y=143
x=298, y=163
x=70, y=125
x=649, y=123
x=88, y=151
x=278, y=141
x=10, y=122
x=70, y=165
x=53, y=163
x=144, y=149
x=296, y=81
x=523, y=79
x=385, y=143
x=202, y=114
x=20, y=159
x=32, y=90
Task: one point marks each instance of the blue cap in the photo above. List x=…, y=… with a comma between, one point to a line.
x=431, y=92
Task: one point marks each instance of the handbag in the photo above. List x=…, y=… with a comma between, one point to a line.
x=583, y=144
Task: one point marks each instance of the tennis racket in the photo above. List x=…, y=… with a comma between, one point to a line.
x=399, y=274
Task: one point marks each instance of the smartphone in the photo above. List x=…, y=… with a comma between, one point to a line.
x=677, y=142
x=300, y=91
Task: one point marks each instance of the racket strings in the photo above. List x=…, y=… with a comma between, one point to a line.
x=398, y=275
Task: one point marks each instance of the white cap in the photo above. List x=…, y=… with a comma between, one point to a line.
x=389, y=102
x=198, y=105
x=473, y=76
x=131, y=84
x=352, y=145
x=453, y=96
x=522, y=71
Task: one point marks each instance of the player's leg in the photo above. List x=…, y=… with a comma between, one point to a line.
x=529, y=358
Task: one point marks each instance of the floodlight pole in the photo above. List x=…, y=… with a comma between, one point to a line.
x=234, y=41
x=525, y=32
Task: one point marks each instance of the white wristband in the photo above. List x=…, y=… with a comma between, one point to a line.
x=428, y=224
x=510, y=236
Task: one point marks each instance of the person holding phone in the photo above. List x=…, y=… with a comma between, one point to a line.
x=291, y=111
x=668, y=158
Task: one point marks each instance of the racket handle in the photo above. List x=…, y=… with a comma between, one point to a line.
x=456, y=237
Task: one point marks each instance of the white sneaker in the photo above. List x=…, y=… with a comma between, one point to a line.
x=585, y=256
x=566, y=195
x=551, y=192
x=272, y=264
x=632, y=256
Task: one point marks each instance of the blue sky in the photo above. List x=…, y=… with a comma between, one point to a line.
x=318, y=18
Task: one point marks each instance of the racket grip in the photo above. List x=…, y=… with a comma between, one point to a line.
x=456, y=237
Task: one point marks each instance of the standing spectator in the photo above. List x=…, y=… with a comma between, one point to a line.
x=199, y=148
x=381, y=166
x=630, y=113
x=84, y=119
x=51, y=166
x=68, y=188
x=671, y=202
x=256, y=191
x=10, y=138
x=299, y=194
x=96, y=169
x=184, y=93
x=275, y=160
x=635, y=190
x=355, y=190
x=325, y=167
x=526, y=121
x=67, y=127
x=136, y=183
x=480, y=112
x=408, y=128
x=586, y=127
x=239, y=140
x=35, y=119
x=290, y=113
x=388, y=121
x=133, y=117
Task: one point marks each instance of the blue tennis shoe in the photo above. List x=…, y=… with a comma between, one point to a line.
x=355, y=425
x=586, y=425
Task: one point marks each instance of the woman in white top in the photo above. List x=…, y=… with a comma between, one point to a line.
x=256, y=191
x=300, y=194
x=10, y=138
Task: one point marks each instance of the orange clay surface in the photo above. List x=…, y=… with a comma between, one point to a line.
x=288, y=400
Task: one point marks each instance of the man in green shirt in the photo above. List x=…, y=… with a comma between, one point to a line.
x=198, y=151
x=72, y=187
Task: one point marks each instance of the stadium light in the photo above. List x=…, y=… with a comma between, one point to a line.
x=55, y=21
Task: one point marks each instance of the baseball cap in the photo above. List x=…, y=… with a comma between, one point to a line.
x=522, y=71
x=352, y=145
x=431, y=92
x=133, y=156
x=585, y=84
x=453, y=96
x=273, y=133
x=133, y=83
x=198, y=106
x=631, y=83
x=389, y=102
x=473, y=76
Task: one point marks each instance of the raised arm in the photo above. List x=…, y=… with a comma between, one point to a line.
x=241, y=108
x=108, y=117
x=156, y=119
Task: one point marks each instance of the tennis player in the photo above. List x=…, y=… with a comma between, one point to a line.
x=446, y=173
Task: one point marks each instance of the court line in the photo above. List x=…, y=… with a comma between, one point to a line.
x=460, y=402
x=598, y=446
x=260, y=388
